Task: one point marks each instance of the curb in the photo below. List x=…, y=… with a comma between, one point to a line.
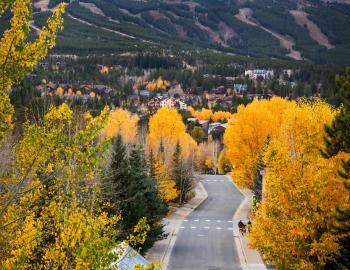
x=237, y=235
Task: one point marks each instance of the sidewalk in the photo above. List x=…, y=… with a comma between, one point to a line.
x=161, y=251
x=250, y=259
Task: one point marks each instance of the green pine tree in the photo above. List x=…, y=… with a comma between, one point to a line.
x=146, y=199
x=338, y=140
x=152, y=165
x=182, y=174
x=129, y=190
x=116, y=182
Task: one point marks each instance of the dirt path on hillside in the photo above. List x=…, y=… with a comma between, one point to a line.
x=190, y=3
x=226, y=32
x=212, y=34
x=103, y=28
x=93, y=8
x=245, y=15
x=301, y=18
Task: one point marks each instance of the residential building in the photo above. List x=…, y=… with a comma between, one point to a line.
x=256, y=73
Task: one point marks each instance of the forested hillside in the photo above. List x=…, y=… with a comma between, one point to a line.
x=312, y=30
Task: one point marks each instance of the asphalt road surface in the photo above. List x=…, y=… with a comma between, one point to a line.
x=205, y=240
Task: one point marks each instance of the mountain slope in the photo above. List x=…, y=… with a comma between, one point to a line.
x=312, y=30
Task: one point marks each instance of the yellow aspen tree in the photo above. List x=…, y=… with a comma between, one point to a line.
x=19, y=56
x=166, y=127
x=221, y=116
x=151, y=86
x=45, y=216
x=121, y=122
x=59, y=91
x=223, y=164
x=247, y=132
x=204, y=114
x=167, y=186
x=293, y=225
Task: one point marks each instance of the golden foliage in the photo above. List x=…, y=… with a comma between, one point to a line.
x=293, y=226
x=6, y=112
x=59, y=91
x=221, y=116
x=203, y=114
x=157, y=85
x=223, y=164
x=104, y=70
x=247, y=132
x=166, y=127
x=208, y=163
x=206, y=114
x=167, y=186
x=19, y=56
x=56, y=166
x=207, y=156
x=121, y=122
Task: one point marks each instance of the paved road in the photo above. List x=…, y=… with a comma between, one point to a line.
x=205, y=239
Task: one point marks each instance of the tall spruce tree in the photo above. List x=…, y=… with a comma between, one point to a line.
x=131, y=192
x=116, y=182
x=182, y=174
x=152, y=165
x=338, y=140
x=147, y=201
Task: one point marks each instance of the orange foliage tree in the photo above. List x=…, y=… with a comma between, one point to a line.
x=293, y=225
x=246, y=134
x=221, y=116
x=206, y=114
x=59, y=91
x=203, y=114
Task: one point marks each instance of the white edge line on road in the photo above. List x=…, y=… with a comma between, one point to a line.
x=237, y=238
x=166, y=256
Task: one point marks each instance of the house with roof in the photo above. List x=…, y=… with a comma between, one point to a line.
x=259, y=73
x=173, y=103
x=167, y=102
x=129, y=258
x=103, y=89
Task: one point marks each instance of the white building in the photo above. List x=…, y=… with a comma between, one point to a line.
x=172, y=103
x=167, y=102
x=255, y=73
x=182, y=105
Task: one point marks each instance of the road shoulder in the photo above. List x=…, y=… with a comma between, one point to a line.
x=249, y=258
x=161, y=251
